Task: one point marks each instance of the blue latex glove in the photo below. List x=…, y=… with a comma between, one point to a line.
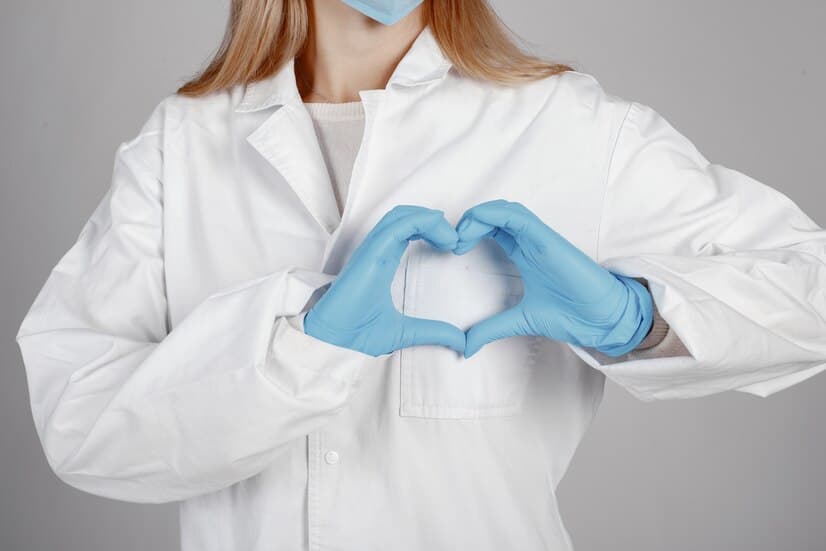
x=357, y=311
x=567, y=296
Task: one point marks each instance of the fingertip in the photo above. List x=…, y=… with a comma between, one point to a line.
x=463, y=224
x=451, y=244
x=471, y=346
x=481, y=334
x=468, y=352
x=446, y=245
x=474, y=231
x=459, y=340
x=461, y=248
x=441, y=235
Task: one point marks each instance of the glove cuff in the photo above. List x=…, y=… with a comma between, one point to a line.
x=639, y=310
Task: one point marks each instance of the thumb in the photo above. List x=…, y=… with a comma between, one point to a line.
x=418, y=331
x=509, y=323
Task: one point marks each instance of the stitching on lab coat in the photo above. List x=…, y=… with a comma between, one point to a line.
x=608, y=175
x=409, y=359
x=402, y=371
x=684, y=281
x=128, y=145
x=289, y=112
x=406, y=379
x=651, y=381
x=372, y=114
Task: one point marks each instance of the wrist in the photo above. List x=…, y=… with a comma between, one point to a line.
x=351, y=337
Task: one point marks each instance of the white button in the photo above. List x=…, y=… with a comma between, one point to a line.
x=331, y=457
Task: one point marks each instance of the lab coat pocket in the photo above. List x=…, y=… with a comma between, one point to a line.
x=437, y=382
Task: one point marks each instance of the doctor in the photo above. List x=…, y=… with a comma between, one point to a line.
x=358, y=286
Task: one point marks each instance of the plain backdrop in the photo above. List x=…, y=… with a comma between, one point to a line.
x=744, y=79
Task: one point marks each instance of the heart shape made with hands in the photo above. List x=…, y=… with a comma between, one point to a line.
x=566, y=295
x=462, y=289
x=475, y=286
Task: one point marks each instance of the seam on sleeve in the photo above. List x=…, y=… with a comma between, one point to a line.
x=137, y=139
x=625, y=117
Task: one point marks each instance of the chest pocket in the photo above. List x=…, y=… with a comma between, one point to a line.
x=437, y=382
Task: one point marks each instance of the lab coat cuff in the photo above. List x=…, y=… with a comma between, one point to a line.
x=293, y=351
x=710, y=346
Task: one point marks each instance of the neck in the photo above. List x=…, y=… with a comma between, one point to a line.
x=347, y=52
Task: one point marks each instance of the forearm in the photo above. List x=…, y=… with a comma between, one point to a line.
x=210, y=404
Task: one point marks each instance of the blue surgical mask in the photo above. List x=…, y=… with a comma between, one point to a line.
x=384, y=11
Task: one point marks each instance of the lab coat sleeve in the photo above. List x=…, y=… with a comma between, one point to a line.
x=736, y=269
x=126, y=408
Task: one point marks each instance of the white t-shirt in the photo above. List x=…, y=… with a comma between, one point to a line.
x=339, y=127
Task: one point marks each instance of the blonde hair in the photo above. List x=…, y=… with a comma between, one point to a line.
x=262, y=35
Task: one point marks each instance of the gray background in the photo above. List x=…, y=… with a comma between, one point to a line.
x=743, y=79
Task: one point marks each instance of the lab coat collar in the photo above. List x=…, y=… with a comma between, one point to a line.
x=287, y=137
x=423, y=63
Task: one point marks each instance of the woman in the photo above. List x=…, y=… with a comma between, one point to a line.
x=359, y=284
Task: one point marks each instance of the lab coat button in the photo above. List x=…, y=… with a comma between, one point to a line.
x=331, y=457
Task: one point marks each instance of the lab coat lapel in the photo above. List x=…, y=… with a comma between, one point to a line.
x=288, y=141
x=287, y=137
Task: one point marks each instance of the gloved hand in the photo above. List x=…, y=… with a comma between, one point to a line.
x=567, y=296
x=357, y=311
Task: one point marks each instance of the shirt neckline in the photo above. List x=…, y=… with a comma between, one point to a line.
x=350, y=110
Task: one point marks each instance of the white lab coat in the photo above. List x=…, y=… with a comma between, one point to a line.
x=165, y=354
